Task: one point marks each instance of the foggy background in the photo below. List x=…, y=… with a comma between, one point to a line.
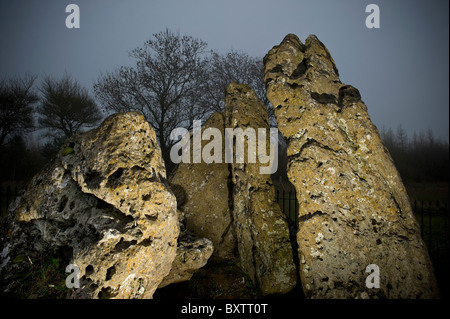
x=401, y=69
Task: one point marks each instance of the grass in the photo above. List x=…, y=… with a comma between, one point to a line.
x=39, y=278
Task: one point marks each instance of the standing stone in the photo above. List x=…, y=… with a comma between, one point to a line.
x=232, y=203
x=203, y=190
x=262, y=231
x=353, y=208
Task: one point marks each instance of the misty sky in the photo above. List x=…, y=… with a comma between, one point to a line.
x=401, y=69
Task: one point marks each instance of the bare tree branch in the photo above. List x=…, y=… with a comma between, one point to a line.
x=66, y=107
x=16, y=106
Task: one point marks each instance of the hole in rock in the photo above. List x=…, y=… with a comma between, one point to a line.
x=146, y=242
x=105, y=293
x=93, y=179
x=151, y=217
x=62, y=204
x=114, y=178
x=324, y=98
x=293, y=85
x=300, y=70
x=123, y=244
x=89, y=270
x=110, y=272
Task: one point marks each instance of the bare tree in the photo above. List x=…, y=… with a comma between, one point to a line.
x=389, y=138
x=234, y=66
x=176, y=80
x=402, y=137
x=165, y=84
x=66, y=107
x=16, y=106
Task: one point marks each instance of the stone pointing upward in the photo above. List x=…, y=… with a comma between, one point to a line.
x=353, y=208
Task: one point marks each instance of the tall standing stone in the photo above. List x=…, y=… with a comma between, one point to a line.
x=262, y=231
x=203, y=196
x=353, y=208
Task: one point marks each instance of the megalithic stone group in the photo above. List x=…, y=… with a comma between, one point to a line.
x=104, y=204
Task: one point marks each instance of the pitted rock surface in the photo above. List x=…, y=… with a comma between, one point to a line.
x=107, y=205
x=232, y=204
x=261, y=228
x=353, y=207
x=203, y=196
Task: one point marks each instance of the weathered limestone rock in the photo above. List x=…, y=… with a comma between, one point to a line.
x=261, y=229
x=206, y=198
x=103, y=201
x=354, y=210
x=232, y=203
x=192, y=254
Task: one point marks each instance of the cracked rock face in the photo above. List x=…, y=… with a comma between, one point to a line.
x=106, y=204
x=353, y=207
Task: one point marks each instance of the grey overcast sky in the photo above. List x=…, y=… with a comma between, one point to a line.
x=401, y=69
